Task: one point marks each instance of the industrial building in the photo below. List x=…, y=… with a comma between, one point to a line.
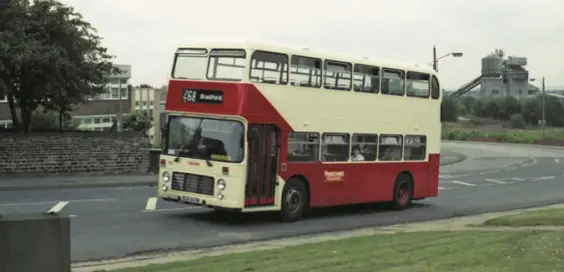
x=500, y=77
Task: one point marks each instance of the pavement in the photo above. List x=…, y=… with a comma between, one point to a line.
x=120, y=221
x=73, y=181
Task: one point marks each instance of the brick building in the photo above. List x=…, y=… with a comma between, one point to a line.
x=99, y=111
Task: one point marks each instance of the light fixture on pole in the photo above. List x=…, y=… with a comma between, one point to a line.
x=436, y=60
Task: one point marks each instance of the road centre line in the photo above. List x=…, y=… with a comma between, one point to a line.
x=496, y=181
x=489, y=172
x=464, y=183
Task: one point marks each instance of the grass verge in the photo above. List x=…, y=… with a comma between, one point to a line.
x=549, y=217
x=418, y=251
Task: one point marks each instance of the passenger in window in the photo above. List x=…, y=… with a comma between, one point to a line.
x=356, y=155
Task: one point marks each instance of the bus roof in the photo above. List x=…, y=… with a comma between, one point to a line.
x=234, y=43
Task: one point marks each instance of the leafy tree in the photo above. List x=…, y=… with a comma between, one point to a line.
x=50, y=120
x=507, y=107
x=137, y=121
x=449, y=110
x=50, y=57
x=478, y=108
x=491, y=109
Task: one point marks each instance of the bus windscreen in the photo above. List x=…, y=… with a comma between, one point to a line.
x=206, y=139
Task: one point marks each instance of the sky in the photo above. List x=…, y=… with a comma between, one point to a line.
x=145, y=33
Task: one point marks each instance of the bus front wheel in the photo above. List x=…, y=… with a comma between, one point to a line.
x=294, y=200
x=403, y=192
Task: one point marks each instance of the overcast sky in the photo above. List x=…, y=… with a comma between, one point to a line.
x=144, y=33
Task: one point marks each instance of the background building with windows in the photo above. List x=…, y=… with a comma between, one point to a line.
x=150, y=100
x=98, y=112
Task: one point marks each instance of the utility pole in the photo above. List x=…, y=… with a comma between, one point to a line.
x=435, y=58
x=119, y=116
x=543, y=108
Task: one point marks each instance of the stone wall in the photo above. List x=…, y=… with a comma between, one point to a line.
x=73, y=152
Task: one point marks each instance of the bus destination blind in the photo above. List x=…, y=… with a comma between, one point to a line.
x=200, y=96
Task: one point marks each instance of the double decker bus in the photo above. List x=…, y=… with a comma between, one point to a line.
x=254, y=126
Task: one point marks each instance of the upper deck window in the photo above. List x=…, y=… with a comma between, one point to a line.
x=190, y=63
x=226, y=64
x=305, y=71
x=417, y=84
x=269, y=67
x=393, y=82
x=366, y=78
x=338, y=75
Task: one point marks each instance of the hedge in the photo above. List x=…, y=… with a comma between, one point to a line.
x=552, y=136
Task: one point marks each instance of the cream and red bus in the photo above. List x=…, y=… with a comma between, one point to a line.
x=254, y=126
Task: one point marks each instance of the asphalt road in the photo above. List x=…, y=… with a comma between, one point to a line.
x=113, y=222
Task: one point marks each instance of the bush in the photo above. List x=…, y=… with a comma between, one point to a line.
x=517, y=121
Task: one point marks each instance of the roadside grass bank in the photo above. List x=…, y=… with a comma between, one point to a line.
x=446, y=247
x=416, y=251
x=464, y=132
x=548, y=217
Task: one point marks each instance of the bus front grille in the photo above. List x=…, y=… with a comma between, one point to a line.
x=192, y=183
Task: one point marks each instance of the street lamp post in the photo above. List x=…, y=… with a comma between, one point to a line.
x=436, y=60
x=543, y=107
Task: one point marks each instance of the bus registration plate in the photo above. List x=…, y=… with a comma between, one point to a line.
x=190, y=199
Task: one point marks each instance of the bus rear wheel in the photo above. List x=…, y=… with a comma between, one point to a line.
x=403, y=192
x=294, y=200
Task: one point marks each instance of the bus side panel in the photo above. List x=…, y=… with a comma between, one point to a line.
x=361, y=182
x=434, y=164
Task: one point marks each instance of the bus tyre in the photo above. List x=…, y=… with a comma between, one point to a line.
x=294, y=200
x=403, y=192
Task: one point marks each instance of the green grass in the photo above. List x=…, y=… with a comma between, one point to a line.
x=550, y=217
x=424, y=251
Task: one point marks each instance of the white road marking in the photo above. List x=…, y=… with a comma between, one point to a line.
x=489, y=172
x=57, y=208
x=72, y=215
x=556, y=160
x=441, y=188
x=449, y=157
x=542, y=178
x=151, y=204
x=496, y=181
x=531, y=163
x=174, y=209
x=55, y=201
x=464, y=183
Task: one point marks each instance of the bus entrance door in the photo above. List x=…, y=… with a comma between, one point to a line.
x=262, y=165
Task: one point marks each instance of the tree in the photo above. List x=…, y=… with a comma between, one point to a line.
x=137, y=121
x=449, y=110
x=508, y=106
x=50, y=57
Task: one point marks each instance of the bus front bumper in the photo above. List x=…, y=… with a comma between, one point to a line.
x=214, y=201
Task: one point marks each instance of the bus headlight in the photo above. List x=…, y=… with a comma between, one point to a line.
x=166, y=177
x=220, y=196
x=221, y=184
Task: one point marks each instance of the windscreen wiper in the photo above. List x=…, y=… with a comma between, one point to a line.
x=194, y=145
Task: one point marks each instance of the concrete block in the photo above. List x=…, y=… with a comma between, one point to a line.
x=35, y=242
